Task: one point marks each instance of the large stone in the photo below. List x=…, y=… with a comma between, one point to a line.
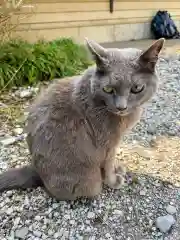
x=164, y=223
x=21, y=233
x=171, y=209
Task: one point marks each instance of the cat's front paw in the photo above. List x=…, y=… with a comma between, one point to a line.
x=116, y=179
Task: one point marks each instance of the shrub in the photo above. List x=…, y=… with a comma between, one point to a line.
x=22, y=63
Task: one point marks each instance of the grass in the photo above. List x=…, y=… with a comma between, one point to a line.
x=22, y=63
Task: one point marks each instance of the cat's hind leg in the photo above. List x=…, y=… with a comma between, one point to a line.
x=67, y=188
x=90, y=185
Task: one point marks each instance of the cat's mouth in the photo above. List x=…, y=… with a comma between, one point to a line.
x=115, y=111
x=122, y=113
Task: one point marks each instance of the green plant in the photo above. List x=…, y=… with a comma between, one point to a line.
x=23, y=63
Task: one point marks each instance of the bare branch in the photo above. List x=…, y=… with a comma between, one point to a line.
x=8, y=10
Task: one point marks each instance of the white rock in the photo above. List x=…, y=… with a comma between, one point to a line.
x=90, y=215
x=65, y=234
x=9, y=211
x=35, y=90
x=92, y=238
x=8, y=141
x=67, y=217
x=171, y=209
x=9, y=193
x=72, y=222
x=108, y=235
x=142, y=193
x=37, y=234
x=18, y=131
x=50, y=232
x=21, y=233
x=3, y=165
x=2, y=105
x=17, y=221
x=57, y=235
x=37, y=218
x=56, y=214
x=88, y=229
x=26, y=201
x=118, y=212
x=164, y=223
x=26, y=93
x=12, y=235
x=55, y=205
x=44, y=236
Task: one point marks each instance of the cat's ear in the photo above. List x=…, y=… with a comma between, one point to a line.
x=98, y=52
x=148, y=58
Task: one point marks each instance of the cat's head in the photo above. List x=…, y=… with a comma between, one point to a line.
x=124, y=78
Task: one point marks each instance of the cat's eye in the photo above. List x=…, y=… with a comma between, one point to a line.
x=109, y=90
x=137, y=89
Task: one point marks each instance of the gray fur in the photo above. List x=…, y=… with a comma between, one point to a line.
x=74, y=127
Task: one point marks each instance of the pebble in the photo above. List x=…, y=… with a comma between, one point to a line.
x=171, y=209
x=65, y=234
x=2, y=105
x=56, y=214
x=18, y=131
x=164, y=223
x=8, y=141
x=26, y=201
x=9, y=193
x=118, y=212
x=11, y=140
x=67, y=217
x=21, y=233
x=92, y=238
x=9, y=211
x=72, y=222
x=50, y=232
x=108, y=235
x=16, y=221
x=38, y=218
x=91, y=215
x=142, y=193
x=25, y=93
x=57, y=234
x=37, y=234
x=44, y=236
x=55, y=205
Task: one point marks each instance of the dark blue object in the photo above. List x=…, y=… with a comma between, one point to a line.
x=162, y=25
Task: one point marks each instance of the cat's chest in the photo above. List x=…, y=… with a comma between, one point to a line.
x=106, y=131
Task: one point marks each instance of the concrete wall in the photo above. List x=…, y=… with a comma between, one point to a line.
x=52, y=19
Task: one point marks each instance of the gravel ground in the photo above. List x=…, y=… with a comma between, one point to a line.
x=146, y=209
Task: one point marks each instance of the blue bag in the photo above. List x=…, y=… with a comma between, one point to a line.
x=162, y=25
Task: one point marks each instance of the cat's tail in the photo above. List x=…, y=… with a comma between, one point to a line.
x=20, y=178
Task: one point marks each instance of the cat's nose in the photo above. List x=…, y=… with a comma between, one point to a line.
x=121, y=103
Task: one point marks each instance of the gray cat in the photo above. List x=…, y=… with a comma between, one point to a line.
x=75, y=126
